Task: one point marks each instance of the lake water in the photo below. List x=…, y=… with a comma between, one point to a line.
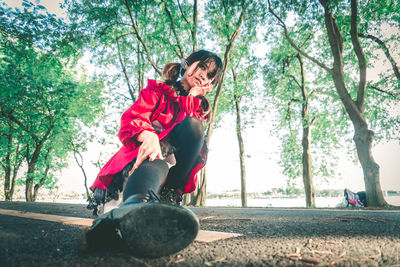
x=321, y=202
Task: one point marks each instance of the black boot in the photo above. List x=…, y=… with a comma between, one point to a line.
x=154, y=229
x=142, y=225
x=172, y=195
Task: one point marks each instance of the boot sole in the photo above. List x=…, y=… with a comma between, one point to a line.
x=103, y=236
x=152, y=230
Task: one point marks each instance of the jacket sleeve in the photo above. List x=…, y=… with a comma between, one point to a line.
x=190, y=106
x=138, y=117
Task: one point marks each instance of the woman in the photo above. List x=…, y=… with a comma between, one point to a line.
x=163, y=149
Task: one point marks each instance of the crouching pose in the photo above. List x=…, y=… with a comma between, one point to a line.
x=138, y=193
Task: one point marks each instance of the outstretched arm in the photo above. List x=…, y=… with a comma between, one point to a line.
x=136, y=127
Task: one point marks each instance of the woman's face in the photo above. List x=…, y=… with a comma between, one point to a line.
x=196, y=75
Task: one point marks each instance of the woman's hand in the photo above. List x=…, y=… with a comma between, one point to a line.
x=201, y=90
x=150, y=148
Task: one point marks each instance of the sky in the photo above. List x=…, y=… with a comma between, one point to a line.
x=263, y=172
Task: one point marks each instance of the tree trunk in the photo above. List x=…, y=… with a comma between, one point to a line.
x=306, y=156
x=186, y=199
x=30, y=173
x=17, y=165
x=10, y=171
x=363, y=138
x=195, y=193
x=29, y=182
x=7, y=191
x=32, y=165
x=14, y=177
x=198, y=197
x=43, y=179
x=37, y=187
x=202, y=194
x=80, y=164
x=7, y=167
x=7, y=180
x=241, y=153
x=307, y=169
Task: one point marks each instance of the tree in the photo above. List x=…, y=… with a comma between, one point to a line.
x=242, y=84
x=353, y=98
x=225, y=19
x=241, y=89
x=43, y=99
x=305, y=108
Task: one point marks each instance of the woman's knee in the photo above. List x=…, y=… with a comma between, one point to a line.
x=193, y=126
x=156, y=165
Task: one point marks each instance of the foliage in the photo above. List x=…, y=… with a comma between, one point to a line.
x=47, y=104
x=332, y=128
x=124, y=43
x=41, y=98
x=282, y=78
x=223, y=16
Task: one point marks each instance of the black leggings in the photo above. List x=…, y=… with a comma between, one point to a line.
x=187, y=138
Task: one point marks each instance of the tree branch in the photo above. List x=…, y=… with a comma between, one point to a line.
x=237, y=97
x=303, y=82
x=125, y=34
x=313, y=121
x=183, y=14
x=140, y=39
x=173, y=29
x=194, y=29
x=295, y=80
x=289, y=104
x=316, y=92
x=123, y=96
x=283, y=25
x=123, y=66
x=334, y=36
x=382, y=45
x=12, y=118
x=336, y=44
x=395, y=95
x=362, y=63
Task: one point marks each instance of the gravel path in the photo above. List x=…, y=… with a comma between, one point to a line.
x=272, y=237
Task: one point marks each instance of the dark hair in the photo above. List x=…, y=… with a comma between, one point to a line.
x=172, y=71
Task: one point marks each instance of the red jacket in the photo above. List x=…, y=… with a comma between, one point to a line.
x=156, y=102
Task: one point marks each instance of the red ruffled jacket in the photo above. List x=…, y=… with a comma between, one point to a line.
x=156, y=102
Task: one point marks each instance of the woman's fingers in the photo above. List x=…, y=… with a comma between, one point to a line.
x=155, y=155
x=201, y=90
x=151, y=151
x=142, y=155
x=209, y=88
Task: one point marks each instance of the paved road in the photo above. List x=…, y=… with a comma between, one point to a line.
x=272, y=237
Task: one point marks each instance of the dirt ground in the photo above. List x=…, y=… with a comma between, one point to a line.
x=272, y=237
